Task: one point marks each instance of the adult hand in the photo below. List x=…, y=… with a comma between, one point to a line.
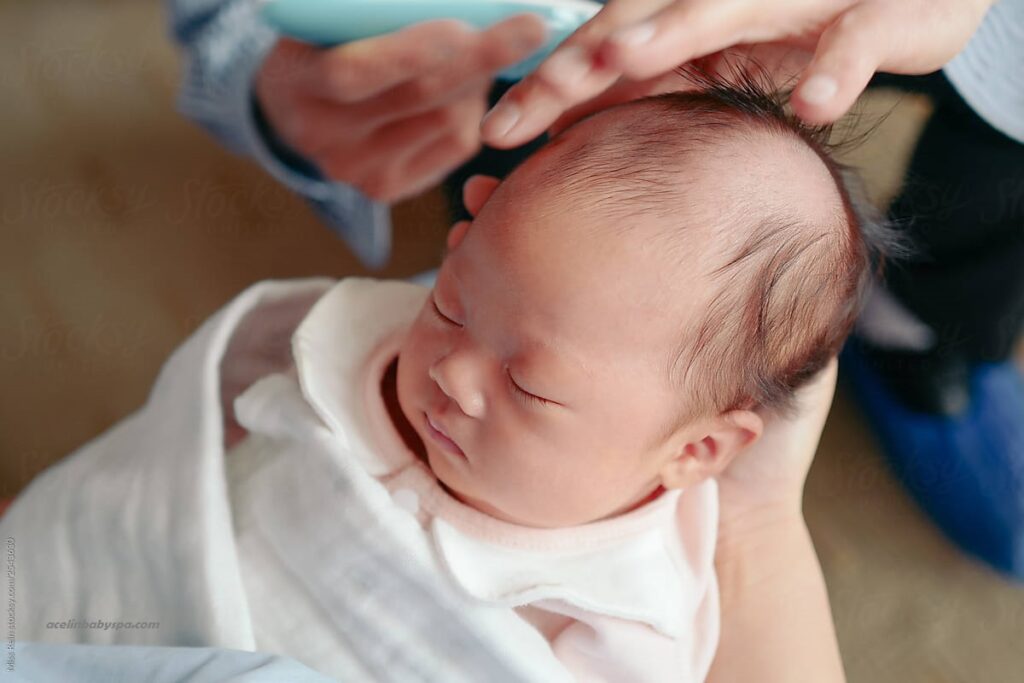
x=766, y=481
x=764, y=559
x=846, y=42
x=391, y=115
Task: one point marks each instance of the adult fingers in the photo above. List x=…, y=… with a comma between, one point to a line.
x=623, y=91
x=373, y=162
x=571, y=66
x=563, y=115
x=364, y=69
x=848, y=53
x=566, y=78
x=493, y=49
x=668, y=34
x=313, y=126
x=431, y=164
x=361, y=69
x=532, y=105
x=506, y=43
x=287, y=61
x=391, y=167
x=404, y=136
x=687, y=30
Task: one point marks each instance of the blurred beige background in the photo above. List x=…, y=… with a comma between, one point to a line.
x=122, y=227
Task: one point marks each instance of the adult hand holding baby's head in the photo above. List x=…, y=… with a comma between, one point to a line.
x=844, y=43
x=391, y=115
x=767, y=479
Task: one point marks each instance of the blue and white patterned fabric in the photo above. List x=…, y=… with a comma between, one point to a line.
x=224, y=42
x=989, y=72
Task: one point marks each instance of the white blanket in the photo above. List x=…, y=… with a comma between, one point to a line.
x=135, y=527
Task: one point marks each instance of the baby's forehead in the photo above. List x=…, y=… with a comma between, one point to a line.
x=689, y=194
x=672, y=206
x=636, y=163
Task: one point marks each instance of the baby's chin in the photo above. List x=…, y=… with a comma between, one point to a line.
x=450, y=481
x=454, y=483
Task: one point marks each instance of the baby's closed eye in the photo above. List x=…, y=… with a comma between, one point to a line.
x=527, y=395
x=441, y=314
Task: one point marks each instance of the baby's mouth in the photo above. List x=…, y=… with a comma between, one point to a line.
x=439, y=436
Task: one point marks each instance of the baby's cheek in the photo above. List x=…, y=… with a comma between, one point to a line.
x=411, y=375
x=424, y=342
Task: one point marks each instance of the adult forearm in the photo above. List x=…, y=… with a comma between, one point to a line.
x=776, y=620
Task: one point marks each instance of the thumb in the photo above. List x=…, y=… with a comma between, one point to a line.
x=848, y=53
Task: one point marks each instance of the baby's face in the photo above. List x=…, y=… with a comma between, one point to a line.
x=536, y=372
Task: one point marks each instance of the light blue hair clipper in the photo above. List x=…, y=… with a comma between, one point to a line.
x=332, y=22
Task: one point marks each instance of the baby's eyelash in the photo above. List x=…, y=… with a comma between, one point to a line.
x=442, y=316
x=533, y=398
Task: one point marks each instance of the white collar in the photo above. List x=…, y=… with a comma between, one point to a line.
x=651, y=565
x=331, y=348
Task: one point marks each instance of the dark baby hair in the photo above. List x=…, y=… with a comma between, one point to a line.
x=787, y=294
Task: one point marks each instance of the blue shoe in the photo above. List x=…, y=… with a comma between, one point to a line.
x=966, y=470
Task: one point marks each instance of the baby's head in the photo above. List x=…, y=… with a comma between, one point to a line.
x=625, y=301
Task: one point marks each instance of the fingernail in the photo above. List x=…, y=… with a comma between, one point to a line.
x=567, y=66
x=634, y=36
x=819, y=89
x=502, y=119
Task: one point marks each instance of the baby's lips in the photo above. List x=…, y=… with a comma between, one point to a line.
x=442, y=432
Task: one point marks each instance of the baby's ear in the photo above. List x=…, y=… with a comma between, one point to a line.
x=709, y=448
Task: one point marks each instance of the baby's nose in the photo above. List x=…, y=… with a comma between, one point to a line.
x=457, y=383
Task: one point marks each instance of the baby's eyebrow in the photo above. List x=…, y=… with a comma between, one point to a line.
x=567, y=360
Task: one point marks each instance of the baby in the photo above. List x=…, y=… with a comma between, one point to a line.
x=544, y=426
x=621, y=304
x=601, y=341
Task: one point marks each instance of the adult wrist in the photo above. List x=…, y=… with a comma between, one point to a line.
x=753, y=553
x=759, y=533
x=752, y=519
